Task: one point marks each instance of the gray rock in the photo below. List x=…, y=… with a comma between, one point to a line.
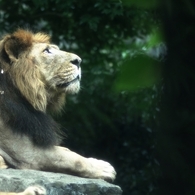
x=12, y=180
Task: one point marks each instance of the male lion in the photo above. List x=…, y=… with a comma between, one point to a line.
x=35, y=77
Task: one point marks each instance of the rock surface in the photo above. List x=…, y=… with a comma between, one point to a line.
x=12, y=180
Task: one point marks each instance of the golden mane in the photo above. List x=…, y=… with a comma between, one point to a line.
x=24, y=74
x=27, y=37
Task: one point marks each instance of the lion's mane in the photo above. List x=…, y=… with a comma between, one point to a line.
x=23, y=97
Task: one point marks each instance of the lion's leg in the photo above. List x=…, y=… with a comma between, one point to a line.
x=66, y=161
x=23, y=154
x=33, y=190
x=2, y=163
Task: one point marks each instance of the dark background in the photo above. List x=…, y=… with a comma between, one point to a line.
x=136, y=106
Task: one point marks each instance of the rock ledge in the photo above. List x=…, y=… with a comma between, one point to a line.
x=12, y=180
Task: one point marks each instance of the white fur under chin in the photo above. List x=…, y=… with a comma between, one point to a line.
x=73, y=88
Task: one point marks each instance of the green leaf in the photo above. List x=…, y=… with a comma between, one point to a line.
x=156, y=37
x=137, y=72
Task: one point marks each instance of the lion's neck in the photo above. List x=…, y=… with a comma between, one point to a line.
x=55, y=102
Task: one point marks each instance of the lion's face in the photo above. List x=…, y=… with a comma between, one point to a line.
x=60, y=70
x=42, y=72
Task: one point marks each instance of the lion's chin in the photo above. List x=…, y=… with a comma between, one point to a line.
x=72, y=86
x=64, y=85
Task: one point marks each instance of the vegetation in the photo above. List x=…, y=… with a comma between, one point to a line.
x=115, y=115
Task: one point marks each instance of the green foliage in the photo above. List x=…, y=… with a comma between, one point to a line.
x=140, y=71
x=156, y=37
x=101, y=122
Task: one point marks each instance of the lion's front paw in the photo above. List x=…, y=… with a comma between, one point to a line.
x=34, y=190
x=101, y=169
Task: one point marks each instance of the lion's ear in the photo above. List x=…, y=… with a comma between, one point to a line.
x=17, y=43
x=11, y=50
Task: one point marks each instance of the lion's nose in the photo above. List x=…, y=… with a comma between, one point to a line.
x=76, y=61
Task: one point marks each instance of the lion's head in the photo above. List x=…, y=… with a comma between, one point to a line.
x=38, y=69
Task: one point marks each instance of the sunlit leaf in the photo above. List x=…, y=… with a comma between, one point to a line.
x=155, y=38
x=140, y=71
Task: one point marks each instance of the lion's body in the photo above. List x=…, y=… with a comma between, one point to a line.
x=35, y=77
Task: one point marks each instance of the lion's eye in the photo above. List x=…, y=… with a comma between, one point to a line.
x=47, y=50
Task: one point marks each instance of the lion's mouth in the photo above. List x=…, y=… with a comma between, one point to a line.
x=62, y=85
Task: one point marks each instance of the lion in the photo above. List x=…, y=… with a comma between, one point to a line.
x=35, y=77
